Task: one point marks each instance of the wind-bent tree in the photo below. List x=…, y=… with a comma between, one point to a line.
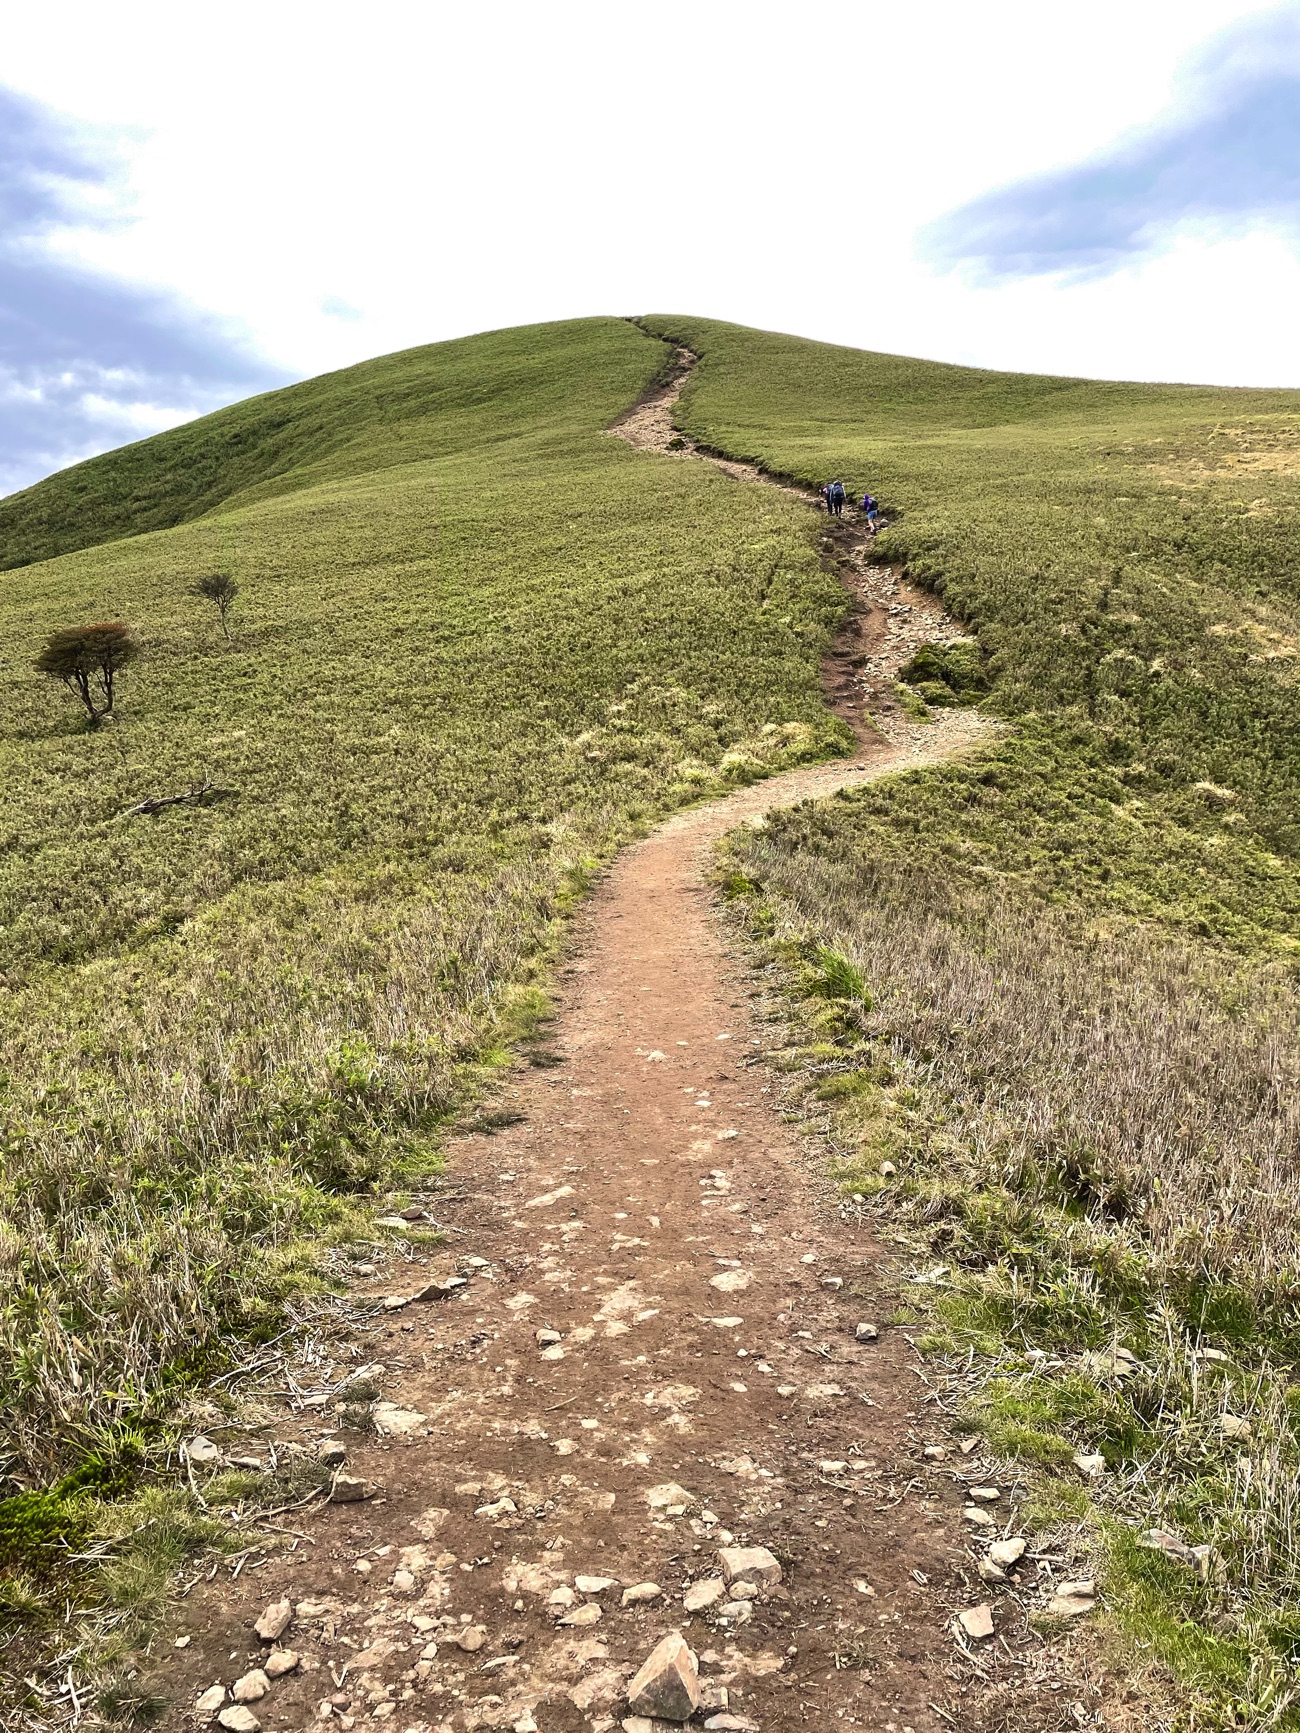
x=221, y=588
x=88, y=659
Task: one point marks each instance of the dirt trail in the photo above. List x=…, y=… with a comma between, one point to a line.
x=652, y=1357
x=887, y=623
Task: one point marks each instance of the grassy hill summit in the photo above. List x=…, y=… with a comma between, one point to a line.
x=477, y=646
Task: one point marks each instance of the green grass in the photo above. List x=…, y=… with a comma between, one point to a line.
x=521, y=390
x=1129, y=558
x=1059, y=1055
x=478, y=644
x=1076, y=1123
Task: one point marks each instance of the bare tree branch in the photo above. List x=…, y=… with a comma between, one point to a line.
x=192, y=796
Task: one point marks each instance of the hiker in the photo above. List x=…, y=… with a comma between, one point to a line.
x=835, y=498
x=871, y=511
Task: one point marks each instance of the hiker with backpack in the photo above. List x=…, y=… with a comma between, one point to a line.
x=834, y=492
x=871, y=511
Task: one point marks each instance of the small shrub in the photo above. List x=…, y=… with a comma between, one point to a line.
x=935, y=695
x=740, y=766
x=948, y=673
x=220, y=589
x=736, y=885
x=87, y=660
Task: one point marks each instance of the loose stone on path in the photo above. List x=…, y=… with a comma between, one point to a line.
x=275, y=1620
x=666, y=1686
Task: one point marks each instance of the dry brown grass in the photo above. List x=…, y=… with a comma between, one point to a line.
x=1268, y=445
x=1096, y=1127
x=200, y=1108
x=1150, y=1082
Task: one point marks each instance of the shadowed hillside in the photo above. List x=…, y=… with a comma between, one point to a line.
x=411, y=407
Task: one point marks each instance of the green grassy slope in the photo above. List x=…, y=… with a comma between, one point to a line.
x=410, y=407
x=478, y=644
x=474, y=649
x=1129, y=557
x=1067, y=1069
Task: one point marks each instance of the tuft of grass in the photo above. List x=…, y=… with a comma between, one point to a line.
x=126, y=1702
x=912, y=703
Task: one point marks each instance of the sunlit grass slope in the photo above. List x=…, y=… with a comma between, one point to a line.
x=1129, y=557
x=421, y=404
x=1046, y=1001
x=478, y=642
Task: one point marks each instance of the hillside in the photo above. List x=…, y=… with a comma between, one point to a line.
x=478, y=647
x=472, y=653
x=1071, y=1075
x=1127, y=555
x=421, y=405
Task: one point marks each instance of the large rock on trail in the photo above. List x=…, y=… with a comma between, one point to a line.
x=275, y=1621
x=667, y=1686
x=749, y=1564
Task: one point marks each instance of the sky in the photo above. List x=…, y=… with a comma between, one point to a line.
x=195, y=206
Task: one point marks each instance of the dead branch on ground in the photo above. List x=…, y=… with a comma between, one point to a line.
x=192, y=796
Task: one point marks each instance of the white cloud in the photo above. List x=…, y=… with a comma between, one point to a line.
x=131, y=418
x=348, y=181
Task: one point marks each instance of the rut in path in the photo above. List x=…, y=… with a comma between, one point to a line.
x=652, y=1357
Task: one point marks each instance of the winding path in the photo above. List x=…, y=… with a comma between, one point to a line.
x=652, y=1356
x=888, y=620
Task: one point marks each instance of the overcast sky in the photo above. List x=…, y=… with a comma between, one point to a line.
x=198, y=204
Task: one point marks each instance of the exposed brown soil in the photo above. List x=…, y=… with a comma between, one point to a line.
x=889, y=618
x=645, y=1200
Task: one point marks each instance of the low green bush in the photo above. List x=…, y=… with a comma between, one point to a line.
x=945, y=674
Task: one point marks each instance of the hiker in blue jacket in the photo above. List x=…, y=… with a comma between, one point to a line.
x=871, y=511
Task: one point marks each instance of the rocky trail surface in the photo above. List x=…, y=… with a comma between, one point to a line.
x=640, y=1445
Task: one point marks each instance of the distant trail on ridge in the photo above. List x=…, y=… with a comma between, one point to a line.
x=888, y=620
